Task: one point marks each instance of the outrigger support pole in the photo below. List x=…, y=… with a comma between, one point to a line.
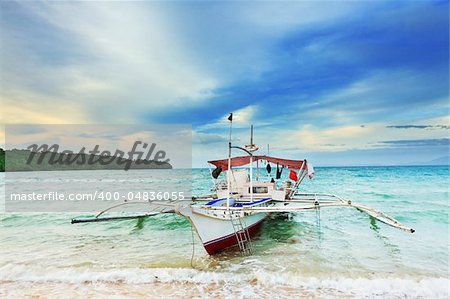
x=315, y=201
x=97, y=217
x=85, y=220
x=301, y=176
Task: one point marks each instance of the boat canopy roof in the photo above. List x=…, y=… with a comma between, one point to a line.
x=244, y=160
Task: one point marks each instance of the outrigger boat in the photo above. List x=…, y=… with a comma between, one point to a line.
x=234, y=213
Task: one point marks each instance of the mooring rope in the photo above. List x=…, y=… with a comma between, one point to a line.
x=193, y=247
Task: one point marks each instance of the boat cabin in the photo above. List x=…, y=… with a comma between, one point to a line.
x=239, y=185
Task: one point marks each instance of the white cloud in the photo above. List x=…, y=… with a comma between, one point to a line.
x=355, y=137
x=21, y=106
x=242, y=118
x=388, y=95
x=245, y=116
x=117, y=62
x=277, y=18
x=127, y=62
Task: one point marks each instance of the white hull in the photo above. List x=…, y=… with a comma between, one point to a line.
x=216, y=229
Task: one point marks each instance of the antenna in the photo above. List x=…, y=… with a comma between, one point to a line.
x=251, y=147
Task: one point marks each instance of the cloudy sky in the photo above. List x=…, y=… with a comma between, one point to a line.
x=351, y=83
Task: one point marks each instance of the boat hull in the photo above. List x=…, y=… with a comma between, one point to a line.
x=218, y=234
x=220, y=244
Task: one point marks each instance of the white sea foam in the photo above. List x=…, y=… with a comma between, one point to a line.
x=391, y=286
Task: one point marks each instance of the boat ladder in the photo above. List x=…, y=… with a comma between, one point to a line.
x=242, y=235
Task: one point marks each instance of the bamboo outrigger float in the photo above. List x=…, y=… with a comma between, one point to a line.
x=233, y=214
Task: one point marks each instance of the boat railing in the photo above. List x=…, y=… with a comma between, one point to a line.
x=320, y=197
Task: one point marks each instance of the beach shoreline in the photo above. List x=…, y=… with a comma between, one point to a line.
x=431, y=287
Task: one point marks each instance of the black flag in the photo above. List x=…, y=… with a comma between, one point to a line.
x=269, y=169
x=216, y=172
x=230, y=118
x=279, y=171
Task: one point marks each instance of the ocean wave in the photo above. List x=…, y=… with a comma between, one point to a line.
x=370, y=286
x=380, y=195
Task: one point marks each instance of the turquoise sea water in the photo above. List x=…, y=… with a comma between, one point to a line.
x=346, y=254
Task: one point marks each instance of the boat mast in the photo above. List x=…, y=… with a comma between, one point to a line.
x=251, y=165
x=249, y=148
x=230, y=118
x=268, y=154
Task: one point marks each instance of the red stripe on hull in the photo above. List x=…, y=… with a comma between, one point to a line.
x=218, y=245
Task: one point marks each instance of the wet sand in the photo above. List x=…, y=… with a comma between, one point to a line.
x=340, y=288
x=147, y=290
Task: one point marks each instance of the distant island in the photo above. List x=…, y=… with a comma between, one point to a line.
x=19, y=160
